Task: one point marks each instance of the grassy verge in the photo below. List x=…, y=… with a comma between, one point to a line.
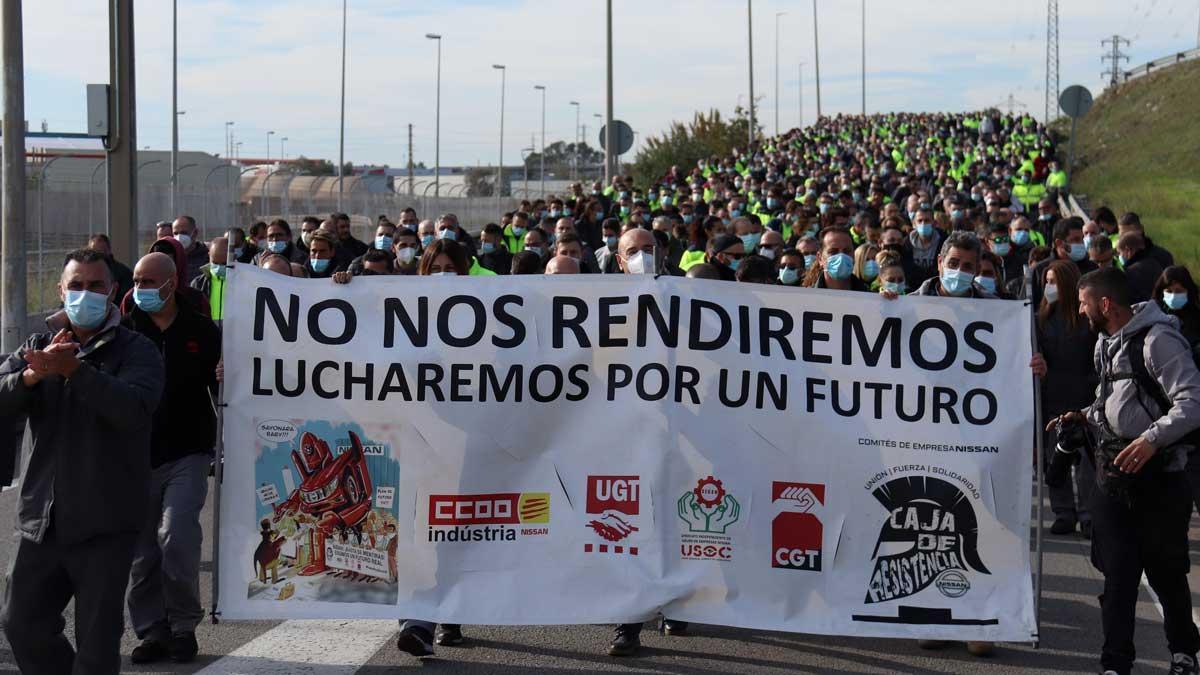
x=1138, y=149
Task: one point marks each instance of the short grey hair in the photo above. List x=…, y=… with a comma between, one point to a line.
x=961, y=240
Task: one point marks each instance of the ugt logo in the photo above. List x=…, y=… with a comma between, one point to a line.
x=708, y=508
x=613, y=502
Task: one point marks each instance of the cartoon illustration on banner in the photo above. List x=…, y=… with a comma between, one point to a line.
x=326, y=513
x=928, y=539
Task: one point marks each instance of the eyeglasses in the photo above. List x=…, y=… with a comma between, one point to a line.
x=999, y=240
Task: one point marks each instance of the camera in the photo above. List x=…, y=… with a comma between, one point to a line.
x=1072, y=438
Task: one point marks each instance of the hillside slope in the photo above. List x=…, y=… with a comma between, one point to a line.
x=1138, y=150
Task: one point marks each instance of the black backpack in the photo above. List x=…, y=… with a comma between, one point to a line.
x=1146, y=383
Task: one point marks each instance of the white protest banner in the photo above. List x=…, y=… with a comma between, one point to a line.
x=588, y=449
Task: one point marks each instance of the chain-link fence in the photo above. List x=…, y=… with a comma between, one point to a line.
x=60, y=215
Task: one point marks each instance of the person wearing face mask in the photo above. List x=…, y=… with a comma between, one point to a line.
x=923, y=245
x=195, y=251
x=891, y=274
x=242, y=252
x=810, y=249
x=385, y=237
x=1047, y=215
x=405, y=247
x=1068, y=380
x=606, y=255
x=493, y=254
x=308, y=225
x=865, y=266
x=1068, y=245
x=791, y=268
x=322, y=252
x=957, y=266
x=211, y=282
x=726, y=252
x=1141, y=270
x=834, y=266
x=771, y=245
x=991, y=275
x=537, y=242
x=514, y=233
x=749, y=231
x=89, y=387
x=164, y=590
x=1177, y=296
x=279, y=242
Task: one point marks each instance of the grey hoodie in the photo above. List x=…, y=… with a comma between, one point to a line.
x=1168, y=358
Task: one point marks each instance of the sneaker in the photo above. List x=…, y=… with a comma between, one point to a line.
x=1085, y=529
x=448, y=635
x=932, y=644
x=183, y=647
x=150, y=651
x=1063, y=525
x=672, y=627
x=1183, y=664
x=625, y=643
x=415, y=641
x=979, y=648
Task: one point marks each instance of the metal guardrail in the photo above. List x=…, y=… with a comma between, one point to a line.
x=1159, y=64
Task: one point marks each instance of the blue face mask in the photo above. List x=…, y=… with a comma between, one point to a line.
x=277, y=246
x=1001, y=249
x=956, y=282
x=1087, y=240
x=809, y=260
x=566, y=212
x=734, y=213
x=86, y=309
x=956, y=214
x=624, y=210
x=870, y=270
x=840, y=266
x=537, y=250
x=611, y=241
x=218, y=271
x=1079, y=252
x=924, y=230
x=988, y=283
x=688, y=218
x=519, y=231
x=448, y=234
x=665, y=201
x=897, y=287
x=1020, y=237
x=772, y=202
x=426, y=240
x=750, y=241
x=788, y=276
x=734, y=264
x=319, y=265
x=487, y=247
x=383, y=243
x=1175, y=301
x=237, y=252
x=824, y=207
x=149, y=300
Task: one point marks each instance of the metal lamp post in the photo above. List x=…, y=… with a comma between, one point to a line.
x=500, y=163
x=437, y=122
x=575, y=155
x=542, y=159
x=269, y=135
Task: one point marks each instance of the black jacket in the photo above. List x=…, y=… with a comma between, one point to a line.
x=185, y=422
x=89, y=466
x=122, y=275
x=1037, y=275
x=1162, y=255
x=498, y=261
x=1142, y=272
x=1070, y=381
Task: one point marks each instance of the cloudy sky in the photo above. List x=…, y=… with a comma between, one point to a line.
x=274, y=65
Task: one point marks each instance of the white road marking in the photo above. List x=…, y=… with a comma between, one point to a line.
x=313, y=647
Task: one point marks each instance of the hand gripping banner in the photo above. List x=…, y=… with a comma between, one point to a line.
x=588, y=449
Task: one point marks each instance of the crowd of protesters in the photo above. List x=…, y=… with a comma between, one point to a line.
x=940, y=205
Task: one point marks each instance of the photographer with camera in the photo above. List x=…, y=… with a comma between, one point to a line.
x=1139, y=431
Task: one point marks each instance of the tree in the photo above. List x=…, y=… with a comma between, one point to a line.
x=560, y=157
x=685, y=144
x=480, y=182
x=313, y=167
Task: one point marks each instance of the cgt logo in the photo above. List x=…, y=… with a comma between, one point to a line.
x=506, y=508
x=796, y=530
x=614, y=503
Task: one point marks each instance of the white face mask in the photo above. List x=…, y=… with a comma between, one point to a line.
x=406, y=255
x=448, y=273
x=640, y=263
x=185, y=240
x=1051, y=293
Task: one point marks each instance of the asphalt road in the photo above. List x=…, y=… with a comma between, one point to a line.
x=1071, y=639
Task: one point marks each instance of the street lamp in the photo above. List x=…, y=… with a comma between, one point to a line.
x=174, y=153
x=750, y=52
x=500, y=164
x=228, y=140
x=601, y=126
x=437, y=122
x=269, y=135
x=575, y=155
x=542, y=89
x=282, y=153
x=342, y=115
x=777, y=15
